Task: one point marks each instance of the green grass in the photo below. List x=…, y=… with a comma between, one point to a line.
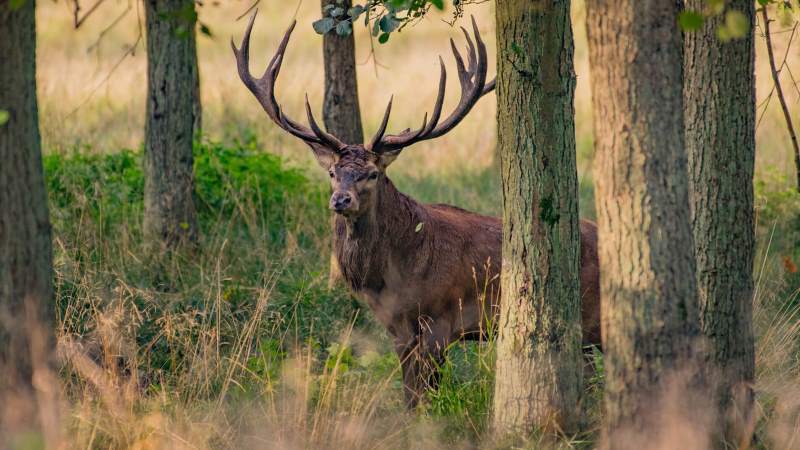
x=240, y=341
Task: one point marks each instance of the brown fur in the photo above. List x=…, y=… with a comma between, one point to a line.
x=430, y=273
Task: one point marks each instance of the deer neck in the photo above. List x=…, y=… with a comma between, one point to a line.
x=365, y=244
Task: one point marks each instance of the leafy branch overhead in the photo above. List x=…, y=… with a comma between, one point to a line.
x=383, y=16
x=734, y=25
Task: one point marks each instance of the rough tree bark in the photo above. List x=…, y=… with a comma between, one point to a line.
x=26, y=291
x=539, y=366
x=648, y=288
x=719, y=96
x=340, y=108
x=169, y=211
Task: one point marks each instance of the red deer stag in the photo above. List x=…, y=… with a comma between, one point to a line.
x=428, y=272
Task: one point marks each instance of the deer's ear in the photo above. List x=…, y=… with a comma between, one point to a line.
x=325, y=156
x=384, y=159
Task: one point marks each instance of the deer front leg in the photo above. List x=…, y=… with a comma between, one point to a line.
x=420, y=358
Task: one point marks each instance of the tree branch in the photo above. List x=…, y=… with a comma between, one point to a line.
x=776, y=79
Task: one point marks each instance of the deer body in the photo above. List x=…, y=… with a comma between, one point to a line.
x=430, y=273
x=436, y=283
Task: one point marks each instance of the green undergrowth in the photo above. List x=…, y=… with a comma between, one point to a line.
x=240, y=340
x=238, y=319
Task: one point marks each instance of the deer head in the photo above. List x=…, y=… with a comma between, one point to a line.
x=357, y=169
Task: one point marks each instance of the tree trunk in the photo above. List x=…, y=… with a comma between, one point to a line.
x=719, y=95
x=539, y=365
x=340, y=110
x=26, y=291
x=197, y=107
x=648, y=289
x=169, y=212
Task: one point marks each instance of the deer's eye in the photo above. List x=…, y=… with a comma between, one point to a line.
x=330, y=172
x=373, y=176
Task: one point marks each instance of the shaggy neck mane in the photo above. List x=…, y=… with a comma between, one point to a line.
x=363, y=245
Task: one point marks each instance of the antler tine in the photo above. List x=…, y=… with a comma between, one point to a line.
x=473, y=86
x=470, y=52
x=462, y=71
x=373, y=143
x=437, y=107
x=243, y=53
x=264, y=89
x=480, y=79
x=324, y=136
x=274, y=66
x=488, y=87
x=283, y=122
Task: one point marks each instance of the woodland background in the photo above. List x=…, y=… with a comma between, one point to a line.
x=245, y=344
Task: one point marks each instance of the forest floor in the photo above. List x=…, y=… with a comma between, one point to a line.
x=240, y=343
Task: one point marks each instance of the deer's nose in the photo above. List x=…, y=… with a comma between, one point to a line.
x=340, y=201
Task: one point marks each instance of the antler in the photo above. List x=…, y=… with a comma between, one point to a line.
x=473, y=86
x=264, y=90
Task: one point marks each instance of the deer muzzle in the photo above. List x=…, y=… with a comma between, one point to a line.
x=343, y=202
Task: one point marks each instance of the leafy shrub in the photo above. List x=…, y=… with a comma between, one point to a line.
x=104, y=188
x=108, y=188
x=254, y=281
x=778, y=214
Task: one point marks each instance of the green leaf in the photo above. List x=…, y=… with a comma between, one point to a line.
x=736, y=24
x=439, y=4
x=5, y=116
x=327, y=8
x=206, y=30
x=715, y=7
x=336, y=12
x=343, y=28
x=323, y=25
x=418, y=228
x=16, y=4
x=690, y=20
x=383, y=38
x=376, y=29
x=388, y=23
x=355, y=11
x=764, y=2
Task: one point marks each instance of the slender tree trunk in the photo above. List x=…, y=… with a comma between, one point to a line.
x=169, y=212
x=719, y=96
x=26, y=291
x=197, y=107
x=539, y=366
x=648, y=288
x=340, y=109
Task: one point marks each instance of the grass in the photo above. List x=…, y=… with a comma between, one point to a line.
x=241, y=344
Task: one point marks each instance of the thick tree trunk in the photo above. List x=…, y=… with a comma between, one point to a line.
x=340, y=109
x=169, y=212
x=538, y=381
x=26, y=291
x=719, y=95
x=648, y=289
